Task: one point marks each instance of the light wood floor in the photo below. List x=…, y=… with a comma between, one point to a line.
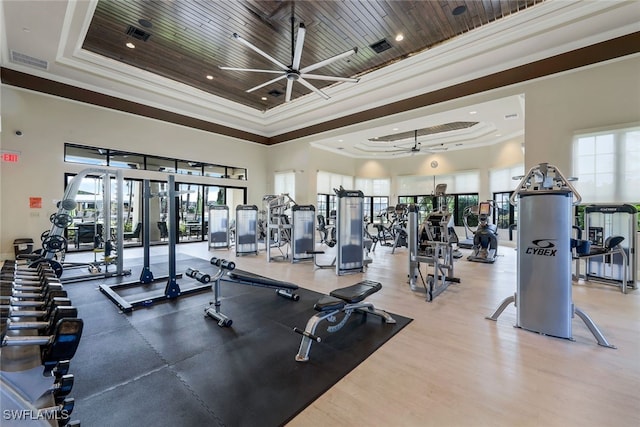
x=452, y=367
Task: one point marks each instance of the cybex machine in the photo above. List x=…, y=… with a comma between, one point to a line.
x=350, y=231
x=431, y=243
x=543, y=298
x=303, y=240
x=611, y=231
x=219, y=227
x=246, y=230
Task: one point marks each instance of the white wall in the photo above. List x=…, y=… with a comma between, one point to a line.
x=48, y=122
x=558, y=107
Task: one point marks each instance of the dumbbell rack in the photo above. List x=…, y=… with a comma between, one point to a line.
x=40, y=335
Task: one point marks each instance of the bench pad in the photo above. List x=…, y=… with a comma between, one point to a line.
x=327, y=303
x=258, y=280
x=358, y=292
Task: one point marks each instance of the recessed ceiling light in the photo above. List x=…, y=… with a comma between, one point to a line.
x=399, y=37
x=459, y=10
x=473, y=112
x=498, y=134
x=209, y=77
x=130, y=45
x=340, y=140
x=145, y=23
x=395, y=128
x=264, y=98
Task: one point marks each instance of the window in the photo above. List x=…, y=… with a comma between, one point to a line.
x=502, y=184
x=458, y=183
x=126, y=160
x=189, y=168
x=214, y=171
x=607, y=165
x=462, y=201
x=376, y=198
x=326, y=204
x=504, y=213
x=327, y=181
x=501, y=180
x=161, y=165
x=377, y=205
x=191, y=215
x=85, y=155
x=285, y=183
x=462, y=191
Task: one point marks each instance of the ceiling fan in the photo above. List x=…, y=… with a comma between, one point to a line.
x=293, y=72
x=417, y=147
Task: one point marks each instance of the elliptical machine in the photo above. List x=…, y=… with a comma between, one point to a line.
x=485, y=238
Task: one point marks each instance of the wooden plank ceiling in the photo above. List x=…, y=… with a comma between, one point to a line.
x=188, y=40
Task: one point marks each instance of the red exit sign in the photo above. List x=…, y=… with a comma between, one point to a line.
x=10, y=157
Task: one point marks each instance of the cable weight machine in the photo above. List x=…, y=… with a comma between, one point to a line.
x=543, y=297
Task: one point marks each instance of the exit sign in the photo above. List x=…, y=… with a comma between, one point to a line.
x=10, y=157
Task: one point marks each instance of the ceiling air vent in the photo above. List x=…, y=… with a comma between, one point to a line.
x=21, y=58
x=275, y=93
x=137, y=33
x=381, y=46
x=432, y=130
x=511, y=116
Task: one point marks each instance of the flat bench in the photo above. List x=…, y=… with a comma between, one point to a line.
x=343, y=300
x=284, y=289
x=226, y=270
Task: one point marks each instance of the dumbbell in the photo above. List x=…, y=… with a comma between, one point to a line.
x=35, y=287
x=42, y=269
x=44, y=311
x=62, y=386
x=48, y=321
x=29, y=302
x=31, y=279
x=28, y=293
x=198, y=275
x=60, y=412
x=61, y=345
x=223, y=264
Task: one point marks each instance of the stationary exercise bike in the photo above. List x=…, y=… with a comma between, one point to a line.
x=485, y=238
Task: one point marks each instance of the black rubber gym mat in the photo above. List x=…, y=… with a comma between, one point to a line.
x=168, y=365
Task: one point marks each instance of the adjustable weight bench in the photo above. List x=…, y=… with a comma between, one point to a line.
x=227, y=272
x=344, y=300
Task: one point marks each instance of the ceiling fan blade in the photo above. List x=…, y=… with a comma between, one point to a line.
x=260, y=52
x=328, y=61
x=329, y=78
x=287, y=98
x=267, y=83
x=253, y=70
x=313, y=88
x=297, y=53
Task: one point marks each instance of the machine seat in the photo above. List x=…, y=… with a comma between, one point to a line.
x=358, y=292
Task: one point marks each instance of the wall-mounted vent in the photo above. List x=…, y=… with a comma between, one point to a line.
x=21, y=58
x=381, y=46
x=275, y=93
x=137, y=33
x=511, y=116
